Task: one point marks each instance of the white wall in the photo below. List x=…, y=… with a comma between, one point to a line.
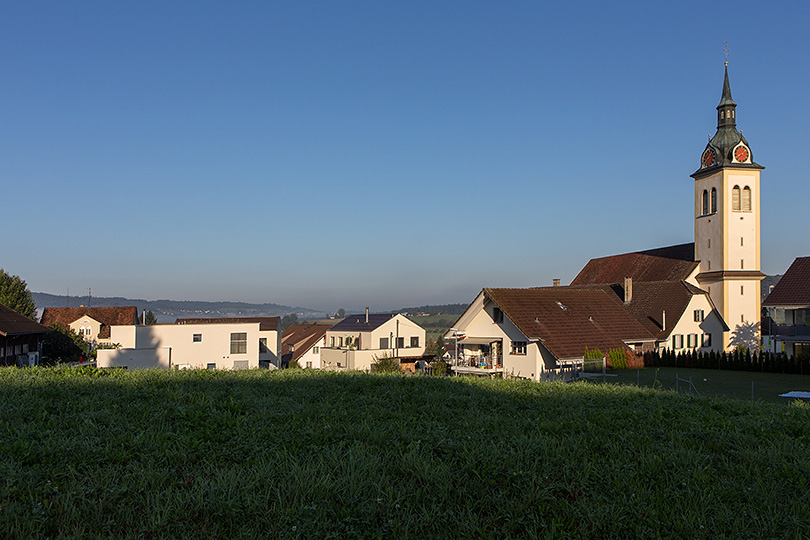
x=213, y=349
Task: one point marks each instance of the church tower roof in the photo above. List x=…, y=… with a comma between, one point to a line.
x=728, y=147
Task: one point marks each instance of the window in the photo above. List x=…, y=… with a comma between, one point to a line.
x=519, y=347
x=699, y=315
x=211, y=366
x=400, y=342
x=332, y=341
x=238, y=344
x=414, y=341
x=735, y=199
x=742, y=289
x=741, y=241
x=383, y=342
x=689, y=342
x=340, y=341
x=746, y=199
x=263, y=345
x=315, y=350
x=196, y=338
x=677, y=341
x=714, y=200
x=707, y=340
x=497, y=315
x=240, y=364
x=705, y=203
x=742, y=263
x=309, y=364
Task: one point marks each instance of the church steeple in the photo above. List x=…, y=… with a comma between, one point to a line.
x=728, y=147
x=726, y=110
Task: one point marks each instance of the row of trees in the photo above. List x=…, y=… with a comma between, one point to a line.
x=736, y=360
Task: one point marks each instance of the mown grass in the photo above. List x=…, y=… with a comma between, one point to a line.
x=305, y=454
x=718, y=383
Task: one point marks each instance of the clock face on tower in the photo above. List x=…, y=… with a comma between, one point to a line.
x=707, y=158
x=741, y=154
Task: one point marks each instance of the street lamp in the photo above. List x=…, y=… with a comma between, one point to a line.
x=455, y=337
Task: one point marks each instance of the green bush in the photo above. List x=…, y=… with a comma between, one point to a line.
x=439, y=368
x=386, y=364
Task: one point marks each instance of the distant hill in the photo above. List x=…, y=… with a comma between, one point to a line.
x=169, y=310
x=439, y=309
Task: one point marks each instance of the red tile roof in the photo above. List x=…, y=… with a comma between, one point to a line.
x=793, y=289
x=651, y=299
x=301, y=337
x=107, y=316
x=265, y=323
x=568, y=320
x=673, y=263
x=14, y=324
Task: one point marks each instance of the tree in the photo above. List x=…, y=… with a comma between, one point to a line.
x=14, y=294
x=62, y=345
x=340, y=313
x=288, y=320
x=149, y=318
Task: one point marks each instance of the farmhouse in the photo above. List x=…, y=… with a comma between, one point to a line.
x=301, y=344
x=92, y=323
x=20, y=339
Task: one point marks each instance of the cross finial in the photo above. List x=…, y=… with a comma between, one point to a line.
x=726, y=51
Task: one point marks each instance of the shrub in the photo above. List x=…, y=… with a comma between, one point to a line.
x=386, y=364
x=439, y=368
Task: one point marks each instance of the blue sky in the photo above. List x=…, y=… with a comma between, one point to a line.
x=345, y=154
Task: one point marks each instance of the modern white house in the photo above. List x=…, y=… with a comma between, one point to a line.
x=359, y=340
x=788, y=324
x=206, y=343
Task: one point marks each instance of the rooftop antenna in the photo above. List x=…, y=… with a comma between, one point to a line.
x=726, y=52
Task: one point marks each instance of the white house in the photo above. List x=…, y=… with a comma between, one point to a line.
x=301, y=344
x=206, y=343
x=359, y=340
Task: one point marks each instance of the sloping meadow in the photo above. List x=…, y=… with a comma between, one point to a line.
x=305, y=454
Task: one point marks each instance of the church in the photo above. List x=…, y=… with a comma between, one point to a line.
x=692, y=296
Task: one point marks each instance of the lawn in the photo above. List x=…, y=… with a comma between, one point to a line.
x=306, y=454
x=712, y=382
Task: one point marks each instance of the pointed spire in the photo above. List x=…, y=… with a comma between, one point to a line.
x=726, y=99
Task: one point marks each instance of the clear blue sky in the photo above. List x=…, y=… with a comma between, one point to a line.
x=345, y=154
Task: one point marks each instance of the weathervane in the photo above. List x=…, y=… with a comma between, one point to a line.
x=726, y=51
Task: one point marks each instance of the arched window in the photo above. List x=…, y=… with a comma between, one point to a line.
x=746, y=199
x=705, y=203
x=735, y=199
x=714, y=200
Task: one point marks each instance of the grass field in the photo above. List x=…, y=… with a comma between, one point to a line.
x=306, y=454
x=711, y=382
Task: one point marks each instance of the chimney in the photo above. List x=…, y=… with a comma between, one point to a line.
x=628, y=290
x=555, y=282
x=663, y=320
x=366, y=314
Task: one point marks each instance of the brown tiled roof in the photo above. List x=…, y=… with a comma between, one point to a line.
x=265, y=323
x=651, y=299
x=107, y=316
x=301, y=337
x=14, y=324
x=673, y=263
x=794, y=287
x=569, y=320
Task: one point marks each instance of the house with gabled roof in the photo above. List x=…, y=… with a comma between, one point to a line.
x=534, y=333
x=92, y=323
x=359, y=340
x=301, y=344
x=20, y=339
x=788, y=305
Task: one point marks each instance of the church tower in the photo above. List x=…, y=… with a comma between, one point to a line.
x=727, y=221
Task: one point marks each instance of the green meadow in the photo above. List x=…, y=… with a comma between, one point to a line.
x=306, y=454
